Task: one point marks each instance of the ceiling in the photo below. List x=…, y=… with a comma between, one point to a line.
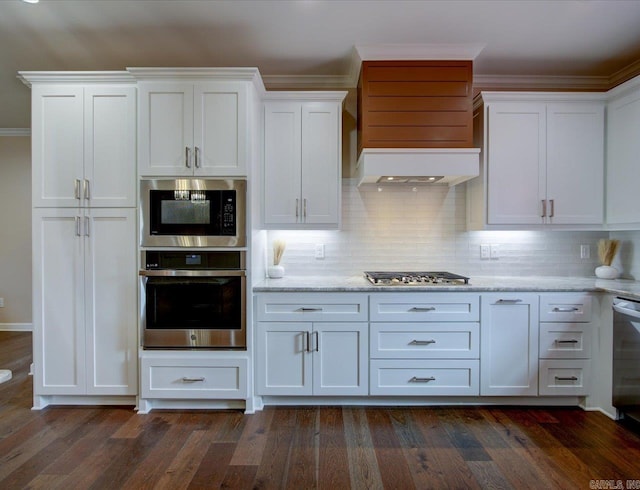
x=310, y=43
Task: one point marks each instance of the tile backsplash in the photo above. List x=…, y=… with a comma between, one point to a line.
x=425, y=228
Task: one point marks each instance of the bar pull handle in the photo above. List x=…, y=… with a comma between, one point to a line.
x=76, y=189
x=308, y=339
x=78, y=231
x=560, y=309
x=87, y=230
x=572, y=341
x=419, y=309
x=422, y=342
x=87, y=189
x=508, y=301
x=304, y=210
x=187, y=156
x=566, y=378
x=552, y=203
x=317, y=349
x=186, y=379
x=197, y=156
x=297, y=209
x=308, y=310
x=544, y=208
x=415, y=379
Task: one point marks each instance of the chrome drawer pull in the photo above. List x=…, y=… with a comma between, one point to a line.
x=192, y=380
x=419, y=309
x=308, y=339
x=187, y=156
x=508, y=301
x=570, y=378
x=76, y=189
x=421, y=380
x=422, y=342
x=572, y=341
x=303, y=309
x=565, y=310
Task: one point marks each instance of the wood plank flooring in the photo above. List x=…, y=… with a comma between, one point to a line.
x=304, y=447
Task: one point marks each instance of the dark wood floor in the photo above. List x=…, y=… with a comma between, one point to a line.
x=301, y=448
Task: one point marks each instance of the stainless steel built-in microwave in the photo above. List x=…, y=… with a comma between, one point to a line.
x=193, y=212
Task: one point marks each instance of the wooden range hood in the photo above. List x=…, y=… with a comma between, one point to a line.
x=415, y=122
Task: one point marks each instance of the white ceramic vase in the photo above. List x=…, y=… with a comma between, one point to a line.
x=275, y=271
x=607, y=272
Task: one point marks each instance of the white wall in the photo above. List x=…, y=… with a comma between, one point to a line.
x=402, y=229
x=15, y=232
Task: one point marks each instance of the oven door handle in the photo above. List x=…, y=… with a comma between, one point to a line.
x=191, y=273
x=626, y=311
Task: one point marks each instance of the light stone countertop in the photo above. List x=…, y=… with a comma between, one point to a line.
x=290, y=284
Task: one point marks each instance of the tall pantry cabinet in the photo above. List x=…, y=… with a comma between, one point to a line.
x=84, y=237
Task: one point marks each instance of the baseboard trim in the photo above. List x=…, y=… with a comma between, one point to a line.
x=16, y=327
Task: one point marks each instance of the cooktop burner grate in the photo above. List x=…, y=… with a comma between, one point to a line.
x=420, y=278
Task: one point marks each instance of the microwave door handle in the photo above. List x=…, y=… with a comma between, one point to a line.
x=191, y=273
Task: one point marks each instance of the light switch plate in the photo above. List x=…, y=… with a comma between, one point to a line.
x=319, y=251
x=484, y=251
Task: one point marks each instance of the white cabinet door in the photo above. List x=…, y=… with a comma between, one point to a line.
x=110, y=302
x=165, y=128
x=220, y=129
x=509, y=344
x=321, y=156
x=109, y=147
x=58, y=308
x=56, y=139
x=516, y=162
x=284, y=362
x=340, y=359
x=575, y=163
x=283, y=170
x=623, y=160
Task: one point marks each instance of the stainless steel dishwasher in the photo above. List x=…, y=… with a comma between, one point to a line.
x=626, y=357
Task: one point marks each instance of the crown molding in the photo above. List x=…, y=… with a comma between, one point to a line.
x=627, y=73
x=15, y=132
x=279, y=82
x=438, y=52
x=524, y=82
x=31, y=77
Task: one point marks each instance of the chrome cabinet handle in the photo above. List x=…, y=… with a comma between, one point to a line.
x=568, y=378
x=308, y=338
x=304, y=206
x=317, y=349
x=544, y=208
x=415, y=379
x=197, y=153
x=572, y=341
x=78, y=232
x=418, y=309
x=559, y=309
x=307, y=310
x=86, y=226
x=187, y=156
x=87, y=189
x=192, y=380
x=297, y=210
x=508, y=301
x=551, y=201
x=422, y=342
x=76, y=189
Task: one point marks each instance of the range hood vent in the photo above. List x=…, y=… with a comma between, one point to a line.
x=417, y=166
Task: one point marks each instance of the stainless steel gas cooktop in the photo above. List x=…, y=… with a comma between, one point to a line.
x=418, y=278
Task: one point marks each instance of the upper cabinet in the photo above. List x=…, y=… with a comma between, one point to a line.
x=188, y=128
x=302, y=160
x=623, y=157
x=542, y=161
x=83, y=144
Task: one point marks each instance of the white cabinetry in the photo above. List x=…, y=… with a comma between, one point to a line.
x=302, y=160
x=188, y=128
x=623, y=157
x=565, y=344
x=85, y=315
x=424, y=344
x=312, y=344
x=542, y=161
x=83, y=145
x=509, y=344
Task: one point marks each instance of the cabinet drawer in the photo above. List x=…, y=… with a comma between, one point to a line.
x=411, y=377
x=447, y=340
x=565, y=308
x=189, y=378
x=300, y=307
x=564, y=377
x=424, y=307
x=565, y=340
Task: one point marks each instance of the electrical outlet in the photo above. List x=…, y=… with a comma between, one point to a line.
x=1, y=302
x=484, y=251
x=585, y=252
x=495, y=251
x=319, y=251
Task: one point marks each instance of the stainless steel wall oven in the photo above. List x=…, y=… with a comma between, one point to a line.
x=193, y=299
x=192, y=212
